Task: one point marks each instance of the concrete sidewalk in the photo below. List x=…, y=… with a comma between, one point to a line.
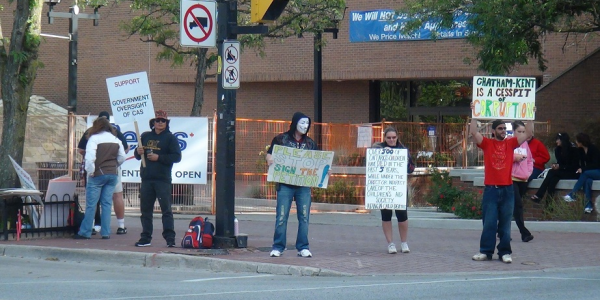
x=341, y=243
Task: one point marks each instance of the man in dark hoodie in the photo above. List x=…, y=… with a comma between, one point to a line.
x=161, y=150
x=294, y=138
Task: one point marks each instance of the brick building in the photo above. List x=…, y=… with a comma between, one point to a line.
x=281, y=83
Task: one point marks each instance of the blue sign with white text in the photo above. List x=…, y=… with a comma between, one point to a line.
x=384, y=26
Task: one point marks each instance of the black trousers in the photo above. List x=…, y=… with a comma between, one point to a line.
x=552, y=179
x=149, y=192
x=520, y=187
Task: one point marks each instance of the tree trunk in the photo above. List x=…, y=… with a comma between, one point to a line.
x=18, y=68
x=200, y=77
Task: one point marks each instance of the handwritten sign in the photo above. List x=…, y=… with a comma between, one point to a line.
x=497, y=97
x=300, y=167
x=386, y=181
x=364, y=137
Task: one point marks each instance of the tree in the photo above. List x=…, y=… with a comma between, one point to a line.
x=18, y=69
x=509, y=32
x=158, y=23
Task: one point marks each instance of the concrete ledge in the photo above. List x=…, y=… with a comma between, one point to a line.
x=565, y=184
x=458, y=172
x=160, y=260
x=470, y=176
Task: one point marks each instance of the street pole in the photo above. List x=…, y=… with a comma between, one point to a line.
x=318, y=85
x=72, y=85
x=226, y=114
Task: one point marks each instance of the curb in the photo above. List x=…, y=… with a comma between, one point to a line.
x=161, y=260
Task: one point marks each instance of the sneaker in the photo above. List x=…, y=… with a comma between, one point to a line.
x=568, y=198
x=392, y=248
x=481, y=257
x=106, y=237
x=142, y=243
x=304, y=253
x=122, y=230
x=404, y=247
x=275, y=253
x=80, y=237
x=506, y=259
x=588, y=208
x=527, y=238
x=171, y=243
x=94, y=231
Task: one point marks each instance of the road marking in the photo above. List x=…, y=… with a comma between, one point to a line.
x=341, y=287
x=226, y=278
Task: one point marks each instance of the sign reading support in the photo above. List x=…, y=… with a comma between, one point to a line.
x=300, y=167
x=130, y=98
x=198, y=22
x=231, y=65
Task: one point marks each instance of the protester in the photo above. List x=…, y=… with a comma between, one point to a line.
x=391, y=141
x=119, y=205
x=296, y=137
x=498, y=196
x=160, y=150
x=103, y=155
x=540, y=157
x=521, y=170
x=589, y=168
x=567, y=163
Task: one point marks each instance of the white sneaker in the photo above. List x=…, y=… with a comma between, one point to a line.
x=404, y=247
x=392, y=248
x=275, y=253
x=481, y=257
x=304, y=253
x=568, y=198
x=506, y=258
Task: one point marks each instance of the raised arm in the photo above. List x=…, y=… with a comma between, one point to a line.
x=474, y=132
x=528, y=132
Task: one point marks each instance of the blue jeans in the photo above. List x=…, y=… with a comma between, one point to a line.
x=534, y=174
x=99, y=188
x=497, y=206
x=285, y=194
x=586, y=180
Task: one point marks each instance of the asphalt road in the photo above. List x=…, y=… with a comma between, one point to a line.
x=24, y=278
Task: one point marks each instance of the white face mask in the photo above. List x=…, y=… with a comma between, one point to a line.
x=302, y=126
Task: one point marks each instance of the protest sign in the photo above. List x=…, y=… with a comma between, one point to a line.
x=300, y=167
x=496, y=97
x=386, y=180
x=130, y=98
x=364, y=137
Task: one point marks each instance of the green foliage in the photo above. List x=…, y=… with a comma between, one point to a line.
x=468, y=206
x=556, y=209
x=340, y=192
x=448, y=198
x=394, y=100
x=508, y=32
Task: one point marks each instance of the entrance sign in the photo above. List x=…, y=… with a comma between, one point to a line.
x=198, y=21
x=300, y=167
x=130, y=98
x=496, y=97
x=231, y=64
x=386, y=181
x=192, y=135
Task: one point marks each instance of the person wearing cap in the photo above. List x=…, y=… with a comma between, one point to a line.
x=498, y=196
x=119, y=205
x=161, y=150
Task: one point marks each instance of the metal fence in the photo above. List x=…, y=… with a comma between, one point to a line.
x=51, y=142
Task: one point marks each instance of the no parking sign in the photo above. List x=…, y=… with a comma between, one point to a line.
x=197, y=21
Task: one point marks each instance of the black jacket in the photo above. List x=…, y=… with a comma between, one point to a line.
x=589, y=160
x=568, y=161
x=167, y=147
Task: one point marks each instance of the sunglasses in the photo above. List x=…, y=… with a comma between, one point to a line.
x=501, y=128
x=160, y=121
x=391, y=137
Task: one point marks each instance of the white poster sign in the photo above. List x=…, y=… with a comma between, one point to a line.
x=386, y=181
x=192, y=134
x=130, y=98
x=364, y=136
x=300, y=167
x=507, y=98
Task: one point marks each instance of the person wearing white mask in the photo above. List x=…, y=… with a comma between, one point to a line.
x=295, y=137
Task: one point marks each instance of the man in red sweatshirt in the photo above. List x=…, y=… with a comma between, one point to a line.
x=540, y=157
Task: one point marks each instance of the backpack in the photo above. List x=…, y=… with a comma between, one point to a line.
x=199, y=234
x=193, y=236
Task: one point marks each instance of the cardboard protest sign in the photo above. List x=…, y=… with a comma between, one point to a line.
x=496, y=97
x=300, y=167
x=386, y=180
x=130, y=98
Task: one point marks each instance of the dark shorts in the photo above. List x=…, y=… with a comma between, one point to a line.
x=401, y=215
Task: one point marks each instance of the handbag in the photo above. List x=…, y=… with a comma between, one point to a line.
x=76, y=214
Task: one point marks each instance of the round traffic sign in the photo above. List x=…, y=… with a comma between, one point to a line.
x=196, y=18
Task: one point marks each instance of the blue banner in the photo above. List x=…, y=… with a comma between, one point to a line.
x=384, y=26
